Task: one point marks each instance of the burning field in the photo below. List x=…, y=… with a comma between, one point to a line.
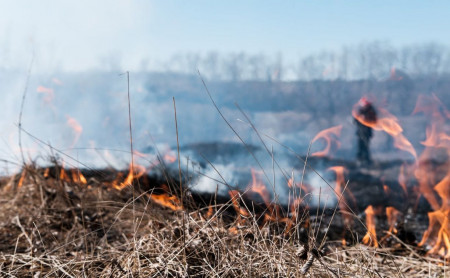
x=381, y=219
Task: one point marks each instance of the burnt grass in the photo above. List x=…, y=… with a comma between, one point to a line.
x=57, y=227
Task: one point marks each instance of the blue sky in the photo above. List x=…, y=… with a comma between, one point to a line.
x=77, y=35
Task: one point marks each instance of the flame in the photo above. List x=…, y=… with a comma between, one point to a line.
x=392, y=217
x=305, y=188
x=78, y=177
x=21, y=180
x=133, y=174
x=235, y=197
x=49, y=93
x=46, y=172
x=139, y=154
x=273, y=210
x=167, y=201
x=438, y=196
x=168, y=158
x=338, y=190
x=431, y=106
x=258, y=187
x=438, y=233
x=330, y=136
x=371, y=236
x=63, y=175
x=210, y=212
x=388, y=123
x=436, y=139
x=77, y=129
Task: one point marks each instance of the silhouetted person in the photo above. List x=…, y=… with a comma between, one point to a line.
x=365, y=118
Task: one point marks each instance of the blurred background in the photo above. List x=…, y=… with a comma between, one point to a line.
x=295, y=68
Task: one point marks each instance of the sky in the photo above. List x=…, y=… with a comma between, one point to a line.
x=81, y=35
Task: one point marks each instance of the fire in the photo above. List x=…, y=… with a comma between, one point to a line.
x=388, y=123
x=392, y=217
x=134, y=173
x=21, y=180
x=167, y=201
x=305, y=188
x=235, y=196
x=371, y=236
x=49, y=93
x=78, y=177
x=338, y=190
x=259, y=188
x=330, y=136
x=438, y=233
x=46, y=172
x=170, y=158
x=210, y=212
x=63, y=175
x=77, y=129
x=437, y=192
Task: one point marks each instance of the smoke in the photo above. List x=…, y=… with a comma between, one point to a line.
x=214, y=179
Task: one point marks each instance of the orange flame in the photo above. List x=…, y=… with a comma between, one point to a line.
x=235, y=197
x=257, y=186
x=22, y=178
x=46, y=172
x=210, y=212
x=77, y=129
x=133, y=174
x=306, y=188
x=78, y=177
x=63, y=176
x=371, y=236
x=339, y=188
x=169, y=158
x=330, y=136
x=438, y=233
x=392, y=217
x=167, y=201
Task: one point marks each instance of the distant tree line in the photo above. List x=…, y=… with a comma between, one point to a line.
x=374, y=60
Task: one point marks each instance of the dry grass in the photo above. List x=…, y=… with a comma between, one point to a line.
x=54, y=228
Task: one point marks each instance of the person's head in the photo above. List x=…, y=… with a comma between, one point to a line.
x=363, y=102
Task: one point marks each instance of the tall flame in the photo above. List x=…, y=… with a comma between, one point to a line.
x=77, y=129
x=257, y=186
x=235, y=197
x=371, y=236
x=339, y=191
x=437, y=141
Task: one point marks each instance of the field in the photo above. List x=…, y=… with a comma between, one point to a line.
x=72, y=223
